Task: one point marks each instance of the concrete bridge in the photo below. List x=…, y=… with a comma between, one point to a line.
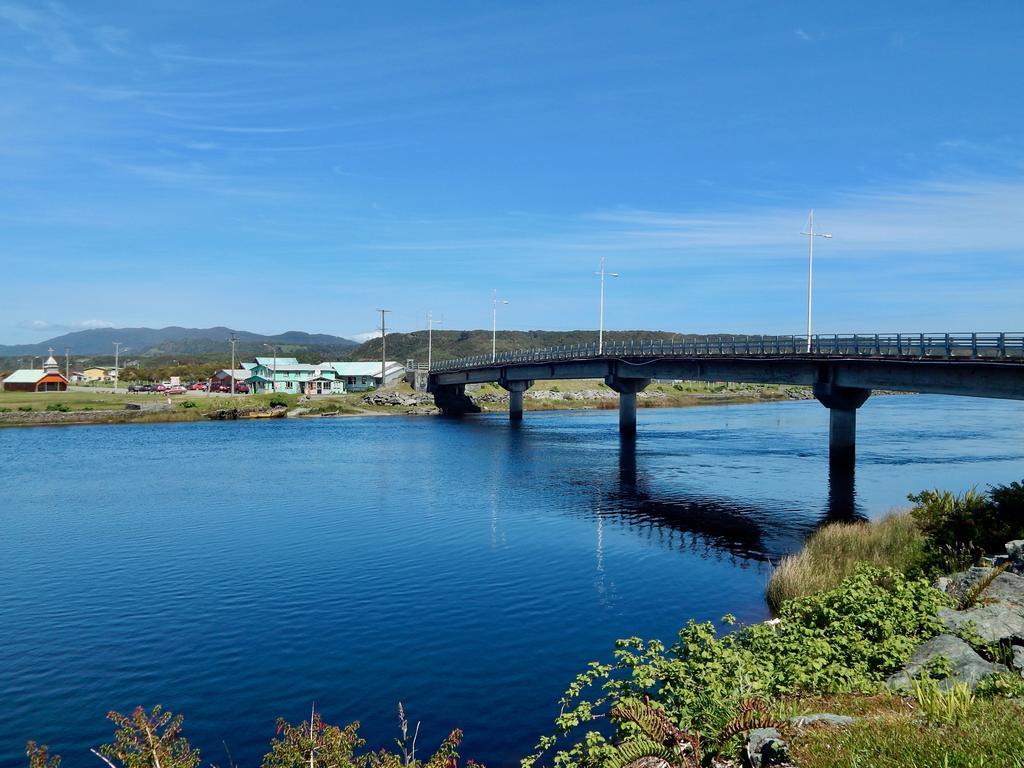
x=842, y=370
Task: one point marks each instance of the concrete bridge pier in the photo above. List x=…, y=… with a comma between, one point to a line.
x=842, y=404
x=452, y=400
x=515, y=391
x=627, y=389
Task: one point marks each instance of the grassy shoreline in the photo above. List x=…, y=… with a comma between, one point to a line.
x=77, y=408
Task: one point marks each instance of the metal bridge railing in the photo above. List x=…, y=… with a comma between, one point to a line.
x=947, y=346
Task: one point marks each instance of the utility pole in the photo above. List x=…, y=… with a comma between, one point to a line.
x=117, y=373
x=430, y=338
x=383, y=346
x=273, y=383
x=233, y=340
x=600, y=329
x=67, y=363
x=495, y=301
x=811, y=234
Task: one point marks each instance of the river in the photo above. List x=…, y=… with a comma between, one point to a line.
x=236, y=572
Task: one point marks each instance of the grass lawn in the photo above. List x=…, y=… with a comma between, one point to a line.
x=890, y=733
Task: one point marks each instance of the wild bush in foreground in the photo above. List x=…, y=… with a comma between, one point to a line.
x=316, y=744
x=148, y=740
x=960, y=528
x=39, y=756
x=313, y=742
x=841, y=640
x=831, y=552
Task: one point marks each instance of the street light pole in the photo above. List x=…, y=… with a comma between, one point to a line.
x=600, y=331
x=117, y=371
x=430, y=337
x=811, y=234
x=67, y=363
x=495, y=301
x=383, y=347
x=233, y=340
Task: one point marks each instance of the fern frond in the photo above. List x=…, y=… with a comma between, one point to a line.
x=632, y=750
x=650, y=720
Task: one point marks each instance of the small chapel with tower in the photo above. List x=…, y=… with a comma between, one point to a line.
x=47, y=379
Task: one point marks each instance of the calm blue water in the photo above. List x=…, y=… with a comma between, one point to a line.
x=240, y=571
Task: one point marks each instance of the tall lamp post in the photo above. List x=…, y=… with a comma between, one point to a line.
x=273, y=381
x=431, y=322
x=495, y=301
x=811, y=234
x=600, y=331
x=117, y=367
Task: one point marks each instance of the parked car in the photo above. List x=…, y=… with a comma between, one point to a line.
x=176, y=390
x=198, y=386
x=159, y=387
x=140, y=387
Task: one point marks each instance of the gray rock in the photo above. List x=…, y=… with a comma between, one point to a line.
x=1006, y=588
x=802, y=721
x=1018, y=659
x=1015, y=552
x=943, y=583
x=992, y=623
x=765, y=747
x=650, y=762
x=968, y=666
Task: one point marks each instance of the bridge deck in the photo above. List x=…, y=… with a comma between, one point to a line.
x=1007, y=347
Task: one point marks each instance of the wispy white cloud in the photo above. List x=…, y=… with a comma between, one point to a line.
x=92, y=324
x=53, y=28
x=77, y=325
x=808, y=37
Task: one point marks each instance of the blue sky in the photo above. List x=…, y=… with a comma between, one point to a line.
x=275, y=166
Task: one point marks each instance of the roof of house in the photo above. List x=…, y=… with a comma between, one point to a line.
x=29, y=376
x=281, y=361
x=237, y=373
x=363, y=368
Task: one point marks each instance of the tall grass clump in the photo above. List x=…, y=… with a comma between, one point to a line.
x=830, y=554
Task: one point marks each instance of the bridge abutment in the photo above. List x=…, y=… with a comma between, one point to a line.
x=627, y=389
x=842, y=404
x=515, y=390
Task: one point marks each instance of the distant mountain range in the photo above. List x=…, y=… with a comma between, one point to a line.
x=175, y=341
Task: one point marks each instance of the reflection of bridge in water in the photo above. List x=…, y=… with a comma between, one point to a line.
x=719, y=523
x=843, y=370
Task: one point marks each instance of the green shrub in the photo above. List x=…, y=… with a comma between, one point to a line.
x=188, y=404
x=846, y=639
x=959, y=529
x=316, y=743
x=144, y=740
x=39, y=756
x=25, y=408
x=278, y=401
x=58, y=407
x=1006, y=685
x=832, y=552
x=5, y=410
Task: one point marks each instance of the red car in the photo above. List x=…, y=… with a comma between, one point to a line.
x=176, y=390
x=198, y=387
